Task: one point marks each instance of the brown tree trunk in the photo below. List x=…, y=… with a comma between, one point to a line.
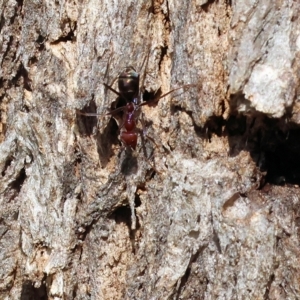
x=207, y=207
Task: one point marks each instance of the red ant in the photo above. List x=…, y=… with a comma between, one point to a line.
x=129, y=91
x=128, y=85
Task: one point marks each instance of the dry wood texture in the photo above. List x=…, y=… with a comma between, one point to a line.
x=209, y=212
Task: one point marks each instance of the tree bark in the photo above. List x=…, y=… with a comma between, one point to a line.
x=207, y=207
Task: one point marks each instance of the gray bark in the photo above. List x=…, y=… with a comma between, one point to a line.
x=210, y=211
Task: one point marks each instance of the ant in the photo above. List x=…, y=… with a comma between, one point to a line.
x=129, y=97
x=129, y=91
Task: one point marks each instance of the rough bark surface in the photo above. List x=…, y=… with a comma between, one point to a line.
x=209, y=212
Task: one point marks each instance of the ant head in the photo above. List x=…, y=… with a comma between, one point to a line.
x=128, y=83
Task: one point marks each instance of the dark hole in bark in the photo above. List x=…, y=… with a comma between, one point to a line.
x=106, y=140
x=20, y=3
x=214, y=125
x=150, y=174
x=271, y=279
x=29, y=292
x=75, y=291
x=40, y=42
x=2, y=21
x=236, y=125
x=184, y=280
x=6, y=166
x=282, y=158
x=22, y=78
x=40, y=39
x=17, y=184
x=148, y=95
x=163, y=53
x=152, y=97
x=68, y=37
x=137, y=200
x=274, y=144
x=123, y=215
x=87, y=123
x=207, y=5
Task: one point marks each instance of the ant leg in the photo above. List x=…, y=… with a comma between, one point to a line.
x=112, y=89
x=154, y=100
x=109, y=86
x=88, y=114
